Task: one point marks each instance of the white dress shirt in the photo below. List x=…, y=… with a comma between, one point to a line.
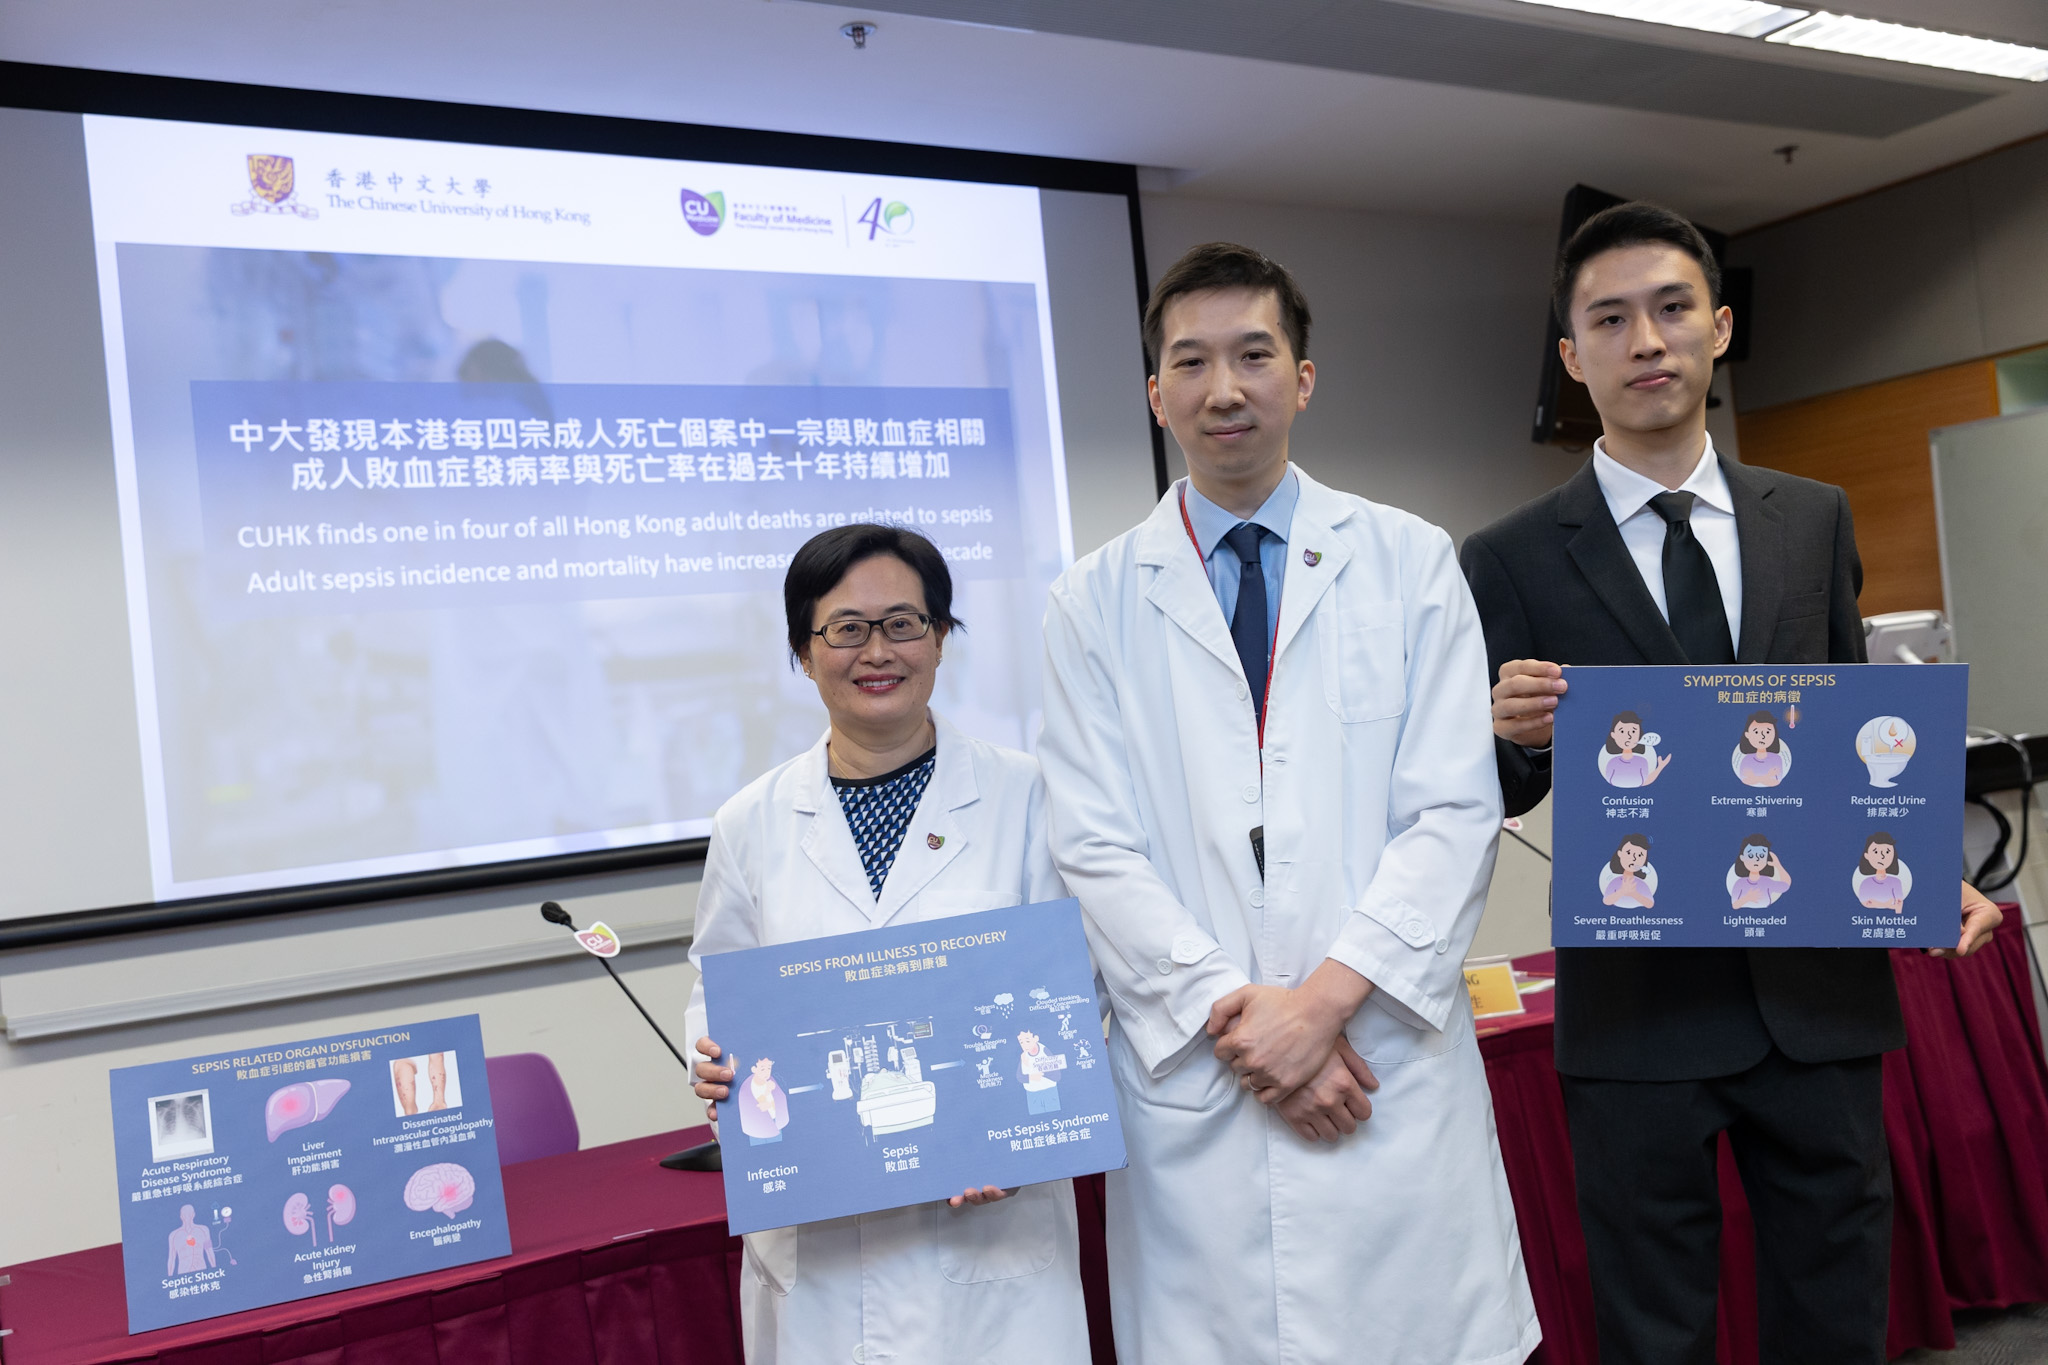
x=1628, y=497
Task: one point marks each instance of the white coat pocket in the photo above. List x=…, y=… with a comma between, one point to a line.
x=771, y=1255
x=1002, y=1241
x=1384, y=1038
x=1365, y=662
x=1198, y=1083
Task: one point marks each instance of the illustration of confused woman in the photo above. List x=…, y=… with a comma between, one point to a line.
x=1628, y=759
x=1761, y=758
x=1629, y=878
x=1882, y=881
x=764, y=1109
x=1757, y=878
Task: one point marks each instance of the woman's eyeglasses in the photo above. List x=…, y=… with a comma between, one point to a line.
x=851, y=632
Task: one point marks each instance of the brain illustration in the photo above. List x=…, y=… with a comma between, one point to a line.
x=304, y=1102
x=445, y=1187
x=298, y=1221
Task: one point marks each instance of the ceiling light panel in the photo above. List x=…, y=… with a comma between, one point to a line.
x=1920, y=46
x=1739, y=18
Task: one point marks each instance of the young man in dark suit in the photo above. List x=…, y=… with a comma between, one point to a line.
x=1659, y=551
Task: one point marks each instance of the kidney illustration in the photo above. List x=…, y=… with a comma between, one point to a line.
x=341, y=1207
x=444, y=1187
x=298, y=1217
x=301, y=1103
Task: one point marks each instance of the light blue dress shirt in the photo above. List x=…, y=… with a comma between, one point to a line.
x=1212, y=523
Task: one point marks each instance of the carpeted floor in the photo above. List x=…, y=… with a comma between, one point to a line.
x=2010, y=1336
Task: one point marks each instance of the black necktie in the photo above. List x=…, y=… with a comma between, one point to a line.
x=1248, y=622
x=1692, y=594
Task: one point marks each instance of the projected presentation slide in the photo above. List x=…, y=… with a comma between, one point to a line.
x=457, y=482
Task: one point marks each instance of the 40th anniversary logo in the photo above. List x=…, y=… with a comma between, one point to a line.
x=273, y=186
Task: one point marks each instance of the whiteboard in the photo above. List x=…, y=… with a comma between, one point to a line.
x=1991, y=504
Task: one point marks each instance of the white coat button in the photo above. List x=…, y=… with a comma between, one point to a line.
x=1251, y=793
x=1414, y=928
x=1165, y=967
x=860, y=1355
x=1188, y=951
x=1258, y=896
x=1243, y=691
x=1443, y=945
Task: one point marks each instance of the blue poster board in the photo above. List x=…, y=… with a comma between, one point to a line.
x=906, y=1063
x=1788, y=805
x=256, y=1177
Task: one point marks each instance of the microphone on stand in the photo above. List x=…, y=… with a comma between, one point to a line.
x=704, y=1156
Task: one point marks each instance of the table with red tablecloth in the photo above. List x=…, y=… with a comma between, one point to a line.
x=615, y=1260
x=1966, y=1116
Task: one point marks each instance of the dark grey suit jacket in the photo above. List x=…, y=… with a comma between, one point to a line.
x=1554, y=580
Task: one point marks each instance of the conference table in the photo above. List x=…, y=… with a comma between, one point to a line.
x=618, y=1262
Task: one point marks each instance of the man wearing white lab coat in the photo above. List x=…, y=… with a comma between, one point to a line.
x=1268, y=749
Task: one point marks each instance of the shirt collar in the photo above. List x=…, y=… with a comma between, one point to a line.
x=1628, y=492
x=1212, y=523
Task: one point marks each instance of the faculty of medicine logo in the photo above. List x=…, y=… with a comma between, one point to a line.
x=891, y=219
x=273, y=185
x=704, y=212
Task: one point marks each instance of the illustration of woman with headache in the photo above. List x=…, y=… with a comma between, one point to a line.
x=1881, y=887
x=1625, y=881
x=1759, y=877
x=1626, y=763
x=1763, y=757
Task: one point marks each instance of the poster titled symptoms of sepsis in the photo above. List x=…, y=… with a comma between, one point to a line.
x=276, y=1173
x=907, y=1063
x=1758, y=806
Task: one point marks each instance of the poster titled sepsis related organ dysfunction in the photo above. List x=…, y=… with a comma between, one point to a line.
x=1759, y=806
x=277, y=1173
x=907, y=1063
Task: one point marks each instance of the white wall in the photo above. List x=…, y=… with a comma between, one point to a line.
x=1426, y=346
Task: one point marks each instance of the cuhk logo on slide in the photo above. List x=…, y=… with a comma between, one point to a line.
x=705, y=213
x=273, y=186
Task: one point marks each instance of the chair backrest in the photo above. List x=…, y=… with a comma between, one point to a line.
x=531, y=1107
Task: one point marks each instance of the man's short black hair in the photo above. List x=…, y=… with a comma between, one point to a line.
x=1636, y=223
x=829, y=556
x=1226, y=265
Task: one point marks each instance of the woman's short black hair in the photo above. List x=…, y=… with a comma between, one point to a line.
x=1776, y=745
x=1878, y=837
x=829, y=556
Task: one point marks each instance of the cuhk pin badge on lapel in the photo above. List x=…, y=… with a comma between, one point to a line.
x=1311, y=557
x=935, y=842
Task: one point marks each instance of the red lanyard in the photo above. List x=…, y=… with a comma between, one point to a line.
x=1271, y=649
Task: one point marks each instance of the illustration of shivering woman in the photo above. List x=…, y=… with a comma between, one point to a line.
x=1759, y=877
x=1626, y=880
x=1625, y=763
x=1762, y=752
x=1880, y=887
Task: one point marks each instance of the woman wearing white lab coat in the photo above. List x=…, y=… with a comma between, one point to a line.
x=947, y=825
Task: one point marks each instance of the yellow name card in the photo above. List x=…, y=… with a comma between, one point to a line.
x=1493, y=989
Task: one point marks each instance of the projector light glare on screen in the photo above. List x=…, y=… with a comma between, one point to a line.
x=1737, y=18
x=1858, y=37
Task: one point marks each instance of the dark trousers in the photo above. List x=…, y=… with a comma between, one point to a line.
x=1809, y=1142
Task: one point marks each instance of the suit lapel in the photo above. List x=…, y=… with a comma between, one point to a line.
x=1181, y=587
x=1760, y=538
x=937, y=818
x=1313, y=531
x=1603, y=557
x=827, y=842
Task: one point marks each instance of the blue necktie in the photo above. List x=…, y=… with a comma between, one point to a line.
x=1248, y=623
